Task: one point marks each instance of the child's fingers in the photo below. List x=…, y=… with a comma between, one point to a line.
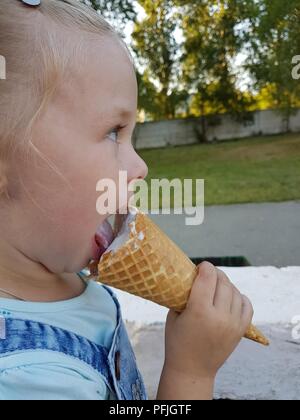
x=224, y=292
x=204, y=286
x=172, y=316
x=247, y=314
x=237, y=304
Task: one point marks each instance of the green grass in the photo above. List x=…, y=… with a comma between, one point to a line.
x=253, y=170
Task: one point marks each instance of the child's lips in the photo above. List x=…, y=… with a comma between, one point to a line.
x=103, y=238
x=105, y=235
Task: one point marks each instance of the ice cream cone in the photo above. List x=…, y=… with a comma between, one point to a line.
x=149, y=265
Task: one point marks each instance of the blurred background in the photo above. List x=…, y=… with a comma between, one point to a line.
x=219, y=99
x=198, y=58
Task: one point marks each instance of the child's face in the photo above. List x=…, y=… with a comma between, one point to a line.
x=56, y=220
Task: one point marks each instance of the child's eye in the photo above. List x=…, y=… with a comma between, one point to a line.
x=114, y=134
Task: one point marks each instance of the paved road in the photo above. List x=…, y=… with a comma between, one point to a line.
x=266, y=234
x=253, y=372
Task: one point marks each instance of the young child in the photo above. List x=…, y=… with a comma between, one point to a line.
x=67, y=114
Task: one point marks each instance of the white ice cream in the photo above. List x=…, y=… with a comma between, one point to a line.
x=124, y=234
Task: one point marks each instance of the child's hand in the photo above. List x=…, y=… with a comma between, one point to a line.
x=201, y=339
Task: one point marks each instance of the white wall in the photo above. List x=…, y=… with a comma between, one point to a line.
x=183, y=132
x=274, y=292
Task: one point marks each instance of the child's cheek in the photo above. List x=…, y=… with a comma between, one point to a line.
x=71, y=204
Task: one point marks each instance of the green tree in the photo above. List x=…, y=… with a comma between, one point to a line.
x=118, y=12
x=213, y=37
x=156, y=50
x=275, y=41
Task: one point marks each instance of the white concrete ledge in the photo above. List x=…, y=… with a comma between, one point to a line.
x=274, y=292
x=253, y=371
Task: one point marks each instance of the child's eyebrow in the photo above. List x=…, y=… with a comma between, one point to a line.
x=118, y=113
x=122, y=113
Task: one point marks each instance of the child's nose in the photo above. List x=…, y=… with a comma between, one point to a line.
x=139, y=170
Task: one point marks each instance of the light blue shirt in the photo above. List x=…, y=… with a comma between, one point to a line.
x=45, y=375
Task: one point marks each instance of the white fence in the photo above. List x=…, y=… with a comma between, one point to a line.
x=220, y=127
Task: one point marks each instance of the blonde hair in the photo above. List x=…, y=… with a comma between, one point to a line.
x=38, y=52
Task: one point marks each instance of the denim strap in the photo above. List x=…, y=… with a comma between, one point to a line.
x=22, y=335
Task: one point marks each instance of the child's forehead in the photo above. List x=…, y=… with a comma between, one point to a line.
x=106, y=62
x=104, y=79
x=106, y=47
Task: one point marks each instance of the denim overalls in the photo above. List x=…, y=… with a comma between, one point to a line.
x=118, y=366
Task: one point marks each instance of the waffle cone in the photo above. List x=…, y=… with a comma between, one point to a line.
x=151, y=266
